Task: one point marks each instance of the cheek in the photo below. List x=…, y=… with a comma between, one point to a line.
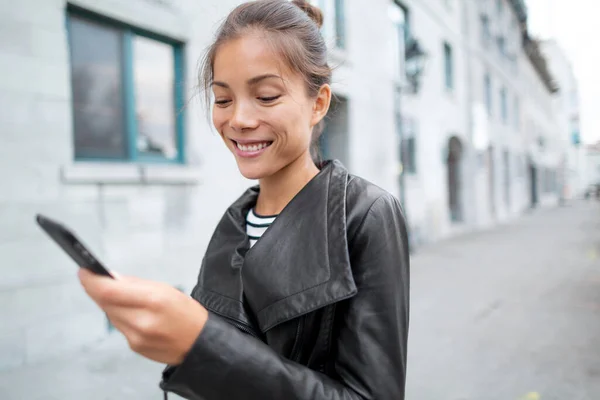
x=295, y=122
x=219, y=118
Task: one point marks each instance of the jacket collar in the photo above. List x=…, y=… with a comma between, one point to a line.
x=300, y=264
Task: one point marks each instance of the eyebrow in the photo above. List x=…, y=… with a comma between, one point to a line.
x=250, y=82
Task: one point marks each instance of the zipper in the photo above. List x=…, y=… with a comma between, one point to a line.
x=238, y=324
x=243, y=328
x=297, y=350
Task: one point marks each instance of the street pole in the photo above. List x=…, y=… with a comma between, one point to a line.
x=402, y=145
x=401, y=180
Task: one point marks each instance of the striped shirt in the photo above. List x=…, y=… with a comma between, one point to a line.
x=256, y=225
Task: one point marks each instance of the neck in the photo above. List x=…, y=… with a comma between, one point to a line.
x=277, y=190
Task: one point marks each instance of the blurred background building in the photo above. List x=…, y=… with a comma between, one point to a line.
x=572, y=171
x=449, y=104
x=592, y=169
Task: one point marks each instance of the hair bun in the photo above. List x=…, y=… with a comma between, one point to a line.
x=312, y=11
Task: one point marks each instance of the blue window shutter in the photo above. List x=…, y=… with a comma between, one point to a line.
x=179, y=102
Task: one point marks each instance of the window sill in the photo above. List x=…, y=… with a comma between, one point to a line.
x=122, y=173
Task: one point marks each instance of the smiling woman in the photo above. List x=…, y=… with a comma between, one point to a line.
x=273, y=108
x=266, y=109
x=303, y=292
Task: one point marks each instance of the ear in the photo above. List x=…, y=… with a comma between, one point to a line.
x=321, y=104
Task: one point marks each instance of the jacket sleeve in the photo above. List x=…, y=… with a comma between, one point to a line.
x=370, y=349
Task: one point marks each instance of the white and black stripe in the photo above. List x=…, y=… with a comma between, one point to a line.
x=256, y=225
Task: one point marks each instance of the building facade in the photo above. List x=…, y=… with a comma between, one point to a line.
x=592, y=168
x=482, y=128
x=104, y=130
x=572, y=175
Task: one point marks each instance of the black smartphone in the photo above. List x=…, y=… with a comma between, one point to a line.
x=71, y=245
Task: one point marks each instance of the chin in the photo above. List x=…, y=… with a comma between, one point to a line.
x=253, y=171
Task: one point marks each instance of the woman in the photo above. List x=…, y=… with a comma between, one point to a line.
x=311, y=302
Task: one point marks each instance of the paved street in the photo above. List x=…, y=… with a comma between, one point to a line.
x=511, y=314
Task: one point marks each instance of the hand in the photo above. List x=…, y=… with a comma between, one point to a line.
x=160, y=322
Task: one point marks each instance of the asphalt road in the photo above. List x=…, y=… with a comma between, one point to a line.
x=510, y=314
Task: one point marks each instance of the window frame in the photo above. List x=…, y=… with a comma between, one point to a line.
x=133, y=156
x=486, y=32
x=334, y=22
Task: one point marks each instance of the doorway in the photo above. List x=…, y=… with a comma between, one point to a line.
x=454, y=161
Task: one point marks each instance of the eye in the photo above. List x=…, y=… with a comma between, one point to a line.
x=269, y=99
x=222, y=103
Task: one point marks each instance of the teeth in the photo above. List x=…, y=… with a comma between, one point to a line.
x=252, y=147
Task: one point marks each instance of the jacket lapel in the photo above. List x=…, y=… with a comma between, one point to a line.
x=220, y=288
x=300, y=264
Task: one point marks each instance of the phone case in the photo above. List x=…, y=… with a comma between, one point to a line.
x=71, y=245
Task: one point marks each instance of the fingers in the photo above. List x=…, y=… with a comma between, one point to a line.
x=124, y=292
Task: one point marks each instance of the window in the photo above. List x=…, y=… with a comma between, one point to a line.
x=507, y=173
x=486, y=34
x=398, y=15
x=409, y=159
x=500, y=6
x=127, y=91
x=340, y=27
x=549, y=181
x=487, y=82
x=448, y=67
x=333, y=142
x=503, y=105
x=501, y=41
x=408, y=145
x=334, y=21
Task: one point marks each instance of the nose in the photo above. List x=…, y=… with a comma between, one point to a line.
x=244, y=116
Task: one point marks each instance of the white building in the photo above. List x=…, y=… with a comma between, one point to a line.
x=482, y=128
x=95, y=135
x=567, y=109
x=103, y=130
x=592, y=167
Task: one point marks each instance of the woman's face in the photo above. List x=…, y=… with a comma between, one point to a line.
x=262, y=110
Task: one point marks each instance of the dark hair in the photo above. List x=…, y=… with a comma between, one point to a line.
x=293, y=31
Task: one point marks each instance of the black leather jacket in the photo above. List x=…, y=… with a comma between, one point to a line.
x=318, y=308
